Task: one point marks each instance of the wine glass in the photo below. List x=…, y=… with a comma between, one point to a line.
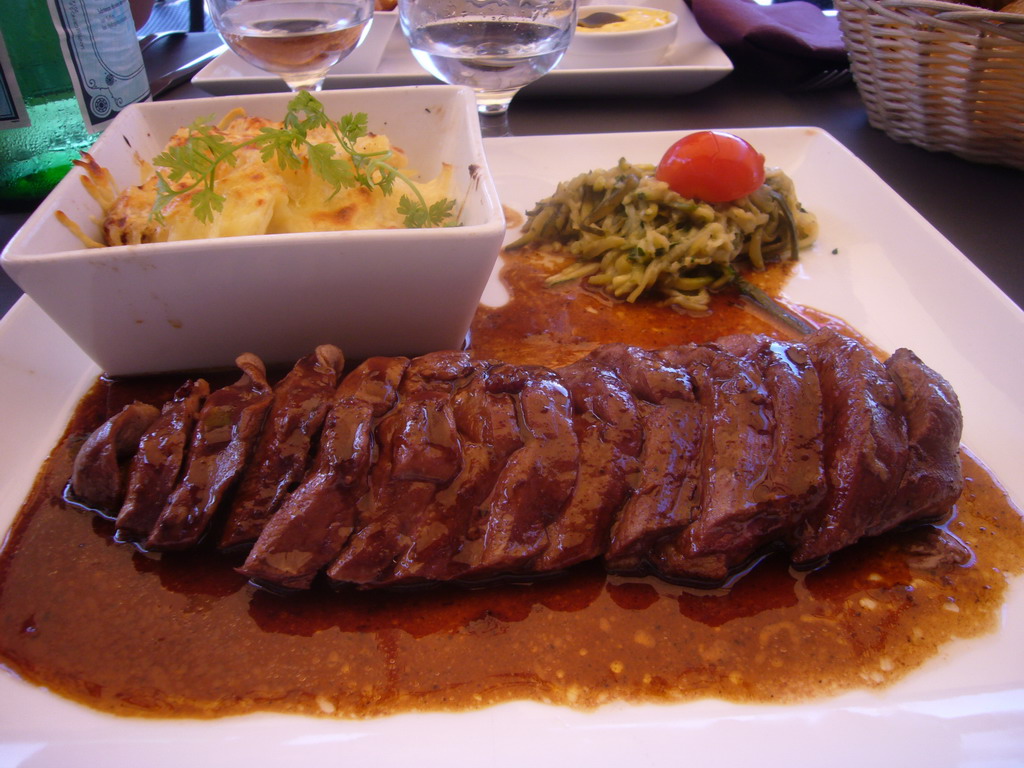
x=494, y=46
x=297, y=39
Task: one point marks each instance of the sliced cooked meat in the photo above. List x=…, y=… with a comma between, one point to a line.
x=690, y=462
x=418, y=436
x=735, y=453
x=764, y=470
x=610, y=437
x=98, y=473
x=418, y=453
x=314, y=522
x=537, y=479
x=795, y=481
x=226, y=431
x=663, y=500
x=156, y=466
x=933, y=479
x=375, y=381
x=301, y=400
x=488, y=433
x=437, y=373
x=865, y=445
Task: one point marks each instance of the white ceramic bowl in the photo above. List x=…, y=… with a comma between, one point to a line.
x=639, y=45
x=198, y=304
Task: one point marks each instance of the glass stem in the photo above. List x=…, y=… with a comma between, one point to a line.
x=494, y=124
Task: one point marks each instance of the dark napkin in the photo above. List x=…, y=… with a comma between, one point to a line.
x=785, y=42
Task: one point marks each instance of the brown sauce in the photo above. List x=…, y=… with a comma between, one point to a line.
x=185, y=635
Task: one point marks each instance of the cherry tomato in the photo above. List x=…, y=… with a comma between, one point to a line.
x=712, y=165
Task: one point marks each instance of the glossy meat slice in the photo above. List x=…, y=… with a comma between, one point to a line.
x=736, y=425
x=225, y=432
x=375, y=381
x=538, y=478
x=933, y=480
x=98, y=472
x=156, y=466
x=426, y=426
x=795, y=481
x=865, y=445
x=764, y=443
x=437, y=373
x=488, y=433
x=610, y=437
x=301, y=400
x=418, y=453
x=667, y=490
x=314, y=522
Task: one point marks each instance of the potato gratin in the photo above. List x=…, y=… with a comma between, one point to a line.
x=261, y=197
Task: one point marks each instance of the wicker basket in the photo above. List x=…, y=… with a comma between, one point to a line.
x=940, y=75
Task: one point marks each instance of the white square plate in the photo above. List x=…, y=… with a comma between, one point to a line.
x=892, y=276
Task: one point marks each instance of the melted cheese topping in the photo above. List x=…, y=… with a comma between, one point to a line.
x=261, y=197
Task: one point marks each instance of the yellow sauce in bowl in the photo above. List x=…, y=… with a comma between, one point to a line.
x=633, y=19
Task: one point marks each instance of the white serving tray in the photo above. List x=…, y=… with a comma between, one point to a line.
x=694, y=62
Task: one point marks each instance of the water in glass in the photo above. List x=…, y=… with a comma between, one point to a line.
x=495, y=46
x=496, y=57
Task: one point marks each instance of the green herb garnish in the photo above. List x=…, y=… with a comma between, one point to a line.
x=204, y=150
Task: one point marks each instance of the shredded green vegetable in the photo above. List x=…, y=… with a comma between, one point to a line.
x=632, y=236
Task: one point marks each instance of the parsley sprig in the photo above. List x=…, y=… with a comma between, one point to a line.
x=197, y=159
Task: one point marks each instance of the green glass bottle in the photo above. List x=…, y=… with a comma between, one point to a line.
x=67, y=67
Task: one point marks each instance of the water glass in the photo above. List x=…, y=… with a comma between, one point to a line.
x=493, y=46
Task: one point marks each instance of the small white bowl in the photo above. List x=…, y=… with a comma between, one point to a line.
x=198, y=304
x=642, y=42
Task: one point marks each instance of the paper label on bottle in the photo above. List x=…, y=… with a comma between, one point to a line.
x=13, y=113
x=102, y=51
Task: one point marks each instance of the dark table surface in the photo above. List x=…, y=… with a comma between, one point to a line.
x=979, y=208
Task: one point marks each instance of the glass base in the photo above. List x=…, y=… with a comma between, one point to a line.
x=494, y=124
x=304, y=83
x=493, y=108
x=494, y=102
